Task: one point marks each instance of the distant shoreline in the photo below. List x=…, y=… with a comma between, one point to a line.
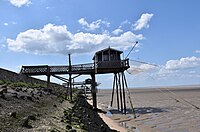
x=195, y=86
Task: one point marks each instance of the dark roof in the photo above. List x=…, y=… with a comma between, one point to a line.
x=106, y=50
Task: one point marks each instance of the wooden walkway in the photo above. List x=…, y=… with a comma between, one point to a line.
x=89, y=68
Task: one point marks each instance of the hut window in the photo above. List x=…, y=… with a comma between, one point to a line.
x=105, y=57
x=100, y=57
x=112, y=57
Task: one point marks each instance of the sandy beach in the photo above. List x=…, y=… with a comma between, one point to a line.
x=167, y=109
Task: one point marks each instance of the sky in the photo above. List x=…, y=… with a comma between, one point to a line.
x=37, y=32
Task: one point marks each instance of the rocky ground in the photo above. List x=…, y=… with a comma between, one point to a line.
x=27, y=105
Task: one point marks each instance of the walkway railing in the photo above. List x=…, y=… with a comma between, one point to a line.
x=76, y=69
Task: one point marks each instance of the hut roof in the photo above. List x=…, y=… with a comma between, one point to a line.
x=106, y=49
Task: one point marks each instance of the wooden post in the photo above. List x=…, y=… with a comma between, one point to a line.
x=117, y=92
x=129, y=96
x=70, y=86
x=124, y=98
x=94, y=97
x=48, y=81
x=120, y=91
x=48, y=77
x=70, y=78
x=113, y=91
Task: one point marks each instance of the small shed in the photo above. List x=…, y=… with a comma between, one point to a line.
x=108, y=54
x=109, y=61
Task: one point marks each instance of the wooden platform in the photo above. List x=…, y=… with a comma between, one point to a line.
x=89, y=68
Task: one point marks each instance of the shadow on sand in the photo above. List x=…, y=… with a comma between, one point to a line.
x=143, y=110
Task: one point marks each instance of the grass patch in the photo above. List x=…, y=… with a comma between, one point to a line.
x=22, y=84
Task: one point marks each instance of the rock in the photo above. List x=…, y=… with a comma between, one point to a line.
x=88, y=116
x=24, y=89
x=15, y=95
x=29, y=98
x=55, y=106
x=3, y=96
x=72, y=130
x=26, y=124
x=13, y=114
x=103, y=129
x=2, y=91
x=4, y=86
x=32, y=117
x=22, y=97
x=68, y=127
x=18, y=89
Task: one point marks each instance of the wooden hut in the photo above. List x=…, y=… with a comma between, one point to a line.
x=109, y=61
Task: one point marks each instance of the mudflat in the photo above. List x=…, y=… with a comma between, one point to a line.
x=166, y=109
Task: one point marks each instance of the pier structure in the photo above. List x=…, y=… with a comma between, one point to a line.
x=104, y=61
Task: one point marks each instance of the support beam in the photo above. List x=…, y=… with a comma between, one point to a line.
x=70, y=78
x=111, y=103
x=133, y=110
x=48, y=77
x=70, y=86
x=124, y=98
x=61, y=78
x=116, y=83
x=120, y=91
x=93, y=88
x=48, y=81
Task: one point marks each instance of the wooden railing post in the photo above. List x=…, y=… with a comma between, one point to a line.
x=48, y=77
x=70, y=78
x=94, y=97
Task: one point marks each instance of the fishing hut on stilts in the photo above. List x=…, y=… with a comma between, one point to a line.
x=109, y=61
x=104, y=61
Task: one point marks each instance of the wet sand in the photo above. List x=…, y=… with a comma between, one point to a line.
x=157, y=109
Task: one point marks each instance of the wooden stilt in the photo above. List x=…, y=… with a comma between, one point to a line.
x=133, y=110
x=48, y=77
x=120, y=91
x=70, y=78
x=124, y=98
x=94, y=97
x=117, y=91
x=70, y=86
x=111, y=103
x=48, y=81
x=67, y=90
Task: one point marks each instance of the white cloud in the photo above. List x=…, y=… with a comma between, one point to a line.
x=197, y=51
x=14, y=23
x=184, y=71
x=182, y=67
x=183, y=63
x=93, y=25
x=47, y=7
x=5, y=24
x=52, y=39
x=125, y=22
x=117, y=31
x=19, y=3
x=2, y=42
x=143, y=22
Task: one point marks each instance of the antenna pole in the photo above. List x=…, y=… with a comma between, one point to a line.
x=131, y=49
